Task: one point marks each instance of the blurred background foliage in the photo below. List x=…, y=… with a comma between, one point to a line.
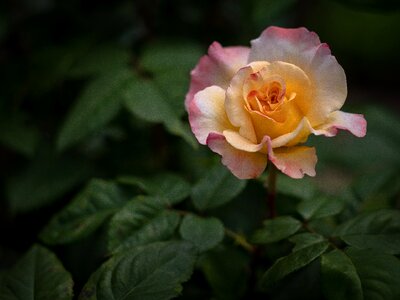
x=96, y=89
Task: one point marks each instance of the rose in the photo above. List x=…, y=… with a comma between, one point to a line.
x=251, y=105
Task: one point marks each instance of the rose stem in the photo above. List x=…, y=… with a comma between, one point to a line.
x=271, y=194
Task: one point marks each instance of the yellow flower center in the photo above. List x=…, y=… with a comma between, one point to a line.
x=268, y=97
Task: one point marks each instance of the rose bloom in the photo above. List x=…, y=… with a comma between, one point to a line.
x=251, y=105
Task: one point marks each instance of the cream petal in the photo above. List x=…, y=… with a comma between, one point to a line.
x=216, y=68
x=303, y=48
x=235, y=103
x=355, y=123
x=207, y=113
x=330, y=85
x=241, y=143
x=244, y=165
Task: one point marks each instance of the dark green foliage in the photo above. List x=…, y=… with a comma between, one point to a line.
x=155, y=271
x=339, y=277
x=141, y=221
x=379, y=273
x=276, y=230
x=305, y=239
x=293, y=262
x=169, y=186
x=204, y=233
x=98, y=104
x=37, y=275
x=44, y=180
x=216, y=188
x=86, y=212
x=378, y=230
x=319, y=207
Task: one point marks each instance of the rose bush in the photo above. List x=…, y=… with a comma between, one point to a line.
x=251, y=105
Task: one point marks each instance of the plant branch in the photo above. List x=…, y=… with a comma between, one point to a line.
x=271, y=191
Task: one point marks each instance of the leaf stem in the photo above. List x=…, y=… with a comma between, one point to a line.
x=240, y=240
x=271, y=191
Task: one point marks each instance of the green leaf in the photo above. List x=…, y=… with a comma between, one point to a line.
x=303, y=189
x=46, y=179
x=339, y=277
x=49, y=65
x=87, y=211
x=276, y=229
x=293, y=262
x=178, y=128
x=180, y=82
x=204, y=233
x=379, y=273
x=100, y=59
x=170, y=64
x=171, y=187
x=314, y=208
x=377, y=192
x=378, y=230
x=216, y=188
x=97, y=105
x=37, y=275
x=305, y=239
x=151, y=272
x=141, y=221
x=16, y=134
x=144, y=99
x=226, y=270
x=167, y=56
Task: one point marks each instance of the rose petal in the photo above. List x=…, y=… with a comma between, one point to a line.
x=241, y=143
x=355, y=123
x=330, y=85
x=294, y=161
x=292, y=45
x=244, y=165
x=207, y=113
x=304, y=49
x=216, y=68
x=299, y=135
x=235, y=103
x=289, y=114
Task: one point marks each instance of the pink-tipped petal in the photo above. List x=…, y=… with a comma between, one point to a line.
x=294, y=161
x=303, y=48
x=291, y=45
x=216, y=68
x=244, y=165
x=207, y=113
x=355, y=123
